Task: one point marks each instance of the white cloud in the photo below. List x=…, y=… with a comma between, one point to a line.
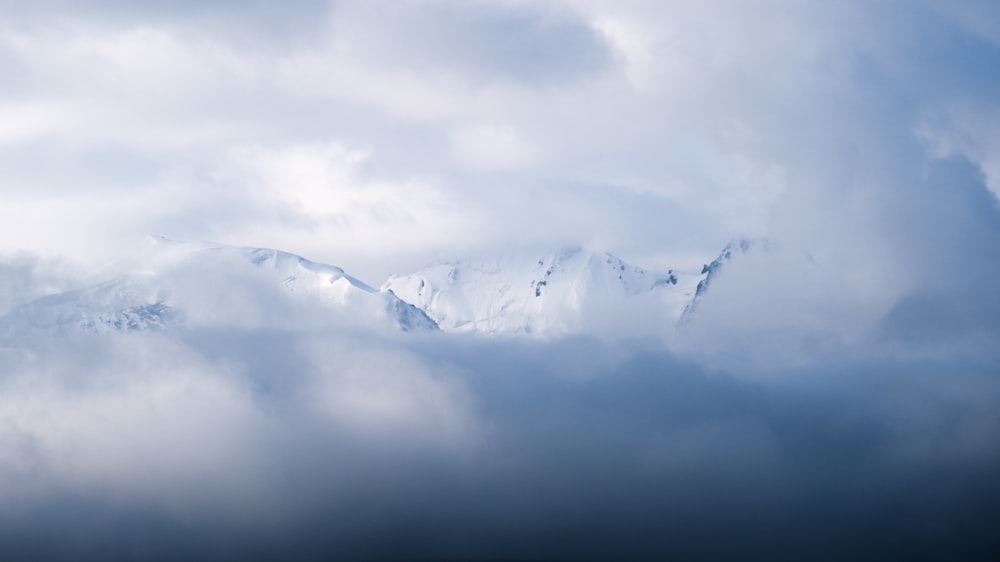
x=493, y=147
x=636, y=41
x=148, y=416
x=317, y=199
x=387, y=135
x=145, y=419
x=381, y=393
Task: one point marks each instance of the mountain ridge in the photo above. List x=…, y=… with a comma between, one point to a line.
x=168, y=283
x=535, y=295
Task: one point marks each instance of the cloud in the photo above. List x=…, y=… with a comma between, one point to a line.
x=479, y=42
x=269, y=441
x=779, y=120
x=838, y=389
x=25, y=277
x=491, y=147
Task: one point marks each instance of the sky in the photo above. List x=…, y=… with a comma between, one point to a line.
x=382, y=136
x=835, y=396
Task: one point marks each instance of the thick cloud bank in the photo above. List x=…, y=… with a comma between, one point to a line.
x=281, y=444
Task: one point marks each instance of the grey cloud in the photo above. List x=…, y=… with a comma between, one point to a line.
x=480, y=41
x=637, y=454
x=258, y=25
x=822, y=107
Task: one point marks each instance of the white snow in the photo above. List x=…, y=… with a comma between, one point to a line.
x=567, y=291
x=169, y=283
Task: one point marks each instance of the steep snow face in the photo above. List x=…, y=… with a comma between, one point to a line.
x=200, y=284
x=571, y=290
x=710, y=271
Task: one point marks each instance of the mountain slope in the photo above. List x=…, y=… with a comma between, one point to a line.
x=711, y=271
x=172, y=283
x=571, y=290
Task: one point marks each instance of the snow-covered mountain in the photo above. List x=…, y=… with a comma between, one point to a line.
x=567, y=291
x=171, y=283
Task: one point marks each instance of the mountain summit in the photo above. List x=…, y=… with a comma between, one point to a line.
x=169, y=283
x=566, y=291
x=201, y=285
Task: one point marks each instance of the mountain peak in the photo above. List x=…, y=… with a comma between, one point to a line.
x=169, y=283
x=710, y=271
x=552, y=293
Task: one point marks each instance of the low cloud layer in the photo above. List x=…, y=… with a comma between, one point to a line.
x=264, y=443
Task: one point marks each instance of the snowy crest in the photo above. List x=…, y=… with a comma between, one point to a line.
x=568, y=291
x=168, y=283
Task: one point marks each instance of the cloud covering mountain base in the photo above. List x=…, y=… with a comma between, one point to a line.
x=282, y=444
